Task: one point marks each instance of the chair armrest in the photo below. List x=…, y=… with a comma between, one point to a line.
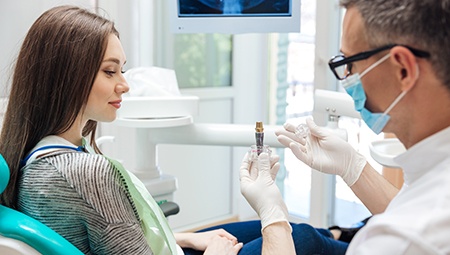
x=169, y=208
x=16, y=225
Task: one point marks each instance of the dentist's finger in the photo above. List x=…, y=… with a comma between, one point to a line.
x=290, y=127
x=274, y=159
x=263, y=162
x=274, y=170
x=291, y=135
x=301, y=153
x=244, y=172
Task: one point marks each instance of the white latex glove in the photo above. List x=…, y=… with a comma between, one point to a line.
x=324, y=151
x=259, y=188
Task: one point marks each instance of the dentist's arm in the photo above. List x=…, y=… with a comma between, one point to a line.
x=374, y=190
x=261, y=192
x=326, y=152
x=277, y=239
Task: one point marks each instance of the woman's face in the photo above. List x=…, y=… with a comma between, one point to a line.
x=109, y=85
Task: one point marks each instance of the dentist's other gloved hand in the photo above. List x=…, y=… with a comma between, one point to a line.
x=324, y=151
x=259, y=188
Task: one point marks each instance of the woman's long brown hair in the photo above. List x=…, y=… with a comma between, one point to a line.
x=53, y=76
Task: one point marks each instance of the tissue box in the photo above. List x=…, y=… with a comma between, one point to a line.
x=158, y=107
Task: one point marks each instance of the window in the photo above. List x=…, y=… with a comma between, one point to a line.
x=203, y=60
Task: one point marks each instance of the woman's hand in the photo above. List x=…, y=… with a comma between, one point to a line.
x=202, y=240
x=223, y=246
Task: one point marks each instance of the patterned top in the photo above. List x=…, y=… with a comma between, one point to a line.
x=83, y=198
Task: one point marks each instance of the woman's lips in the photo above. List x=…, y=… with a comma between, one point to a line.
x=116, y=104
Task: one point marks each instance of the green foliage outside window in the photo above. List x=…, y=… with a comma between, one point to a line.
x=203, y=60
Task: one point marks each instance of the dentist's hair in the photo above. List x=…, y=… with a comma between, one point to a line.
x=423, y=24
x=53, y=76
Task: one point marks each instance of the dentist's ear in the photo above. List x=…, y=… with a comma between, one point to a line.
x=407, y=66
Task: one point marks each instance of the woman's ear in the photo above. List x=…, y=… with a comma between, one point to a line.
x=406, y=65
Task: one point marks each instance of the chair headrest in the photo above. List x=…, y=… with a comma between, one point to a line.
x=4, y=174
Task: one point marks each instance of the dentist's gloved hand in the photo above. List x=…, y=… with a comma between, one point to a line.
x=324, y=151
x=259, y=188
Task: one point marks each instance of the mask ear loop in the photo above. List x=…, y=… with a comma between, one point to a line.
x=374, y=65
x=390, y=108
x=397, y=99
x=377, y=123
x=400, y=96
x=418, y=71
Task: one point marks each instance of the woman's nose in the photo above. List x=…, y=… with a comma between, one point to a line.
x=122, y=86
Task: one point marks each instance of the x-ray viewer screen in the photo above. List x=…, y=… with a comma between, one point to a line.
x=205, y=8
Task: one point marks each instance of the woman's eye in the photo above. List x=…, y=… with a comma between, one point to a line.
x=110, y=73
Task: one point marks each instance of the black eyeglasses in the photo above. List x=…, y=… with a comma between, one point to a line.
x=341, y=66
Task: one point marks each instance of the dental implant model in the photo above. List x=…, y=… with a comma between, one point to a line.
x=259, y=136
x=301, y=131
x=259, y=147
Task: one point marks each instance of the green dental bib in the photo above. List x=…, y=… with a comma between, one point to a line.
x=156, y=228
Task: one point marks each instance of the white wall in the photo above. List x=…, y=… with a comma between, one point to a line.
x=16, y=17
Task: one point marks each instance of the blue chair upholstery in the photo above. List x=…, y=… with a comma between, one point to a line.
x=16, y=225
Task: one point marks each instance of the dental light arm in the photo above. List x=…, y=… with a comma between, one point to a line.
x=214, y=134
x=334, y=103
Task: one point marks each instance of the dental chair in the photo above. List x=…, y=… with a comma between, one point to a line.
x=21, y=234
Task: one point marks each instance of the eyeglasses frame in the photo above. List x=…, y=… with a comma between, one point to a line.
x=366, y=55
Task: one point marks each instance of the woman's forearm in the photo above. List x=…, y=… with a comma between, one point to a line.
x=183, y=239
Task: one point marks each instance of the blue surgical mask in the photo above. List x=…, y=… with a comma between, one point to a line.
x=353, y=86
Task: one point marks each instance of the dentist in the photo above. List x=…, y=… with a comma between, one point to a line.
x=395, y=64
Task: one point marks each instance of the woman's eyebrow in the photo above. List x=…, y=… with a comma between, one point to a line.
x=115, y=60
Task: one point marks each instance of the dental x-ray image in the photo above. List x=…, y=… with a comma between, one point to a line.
x=234, y=7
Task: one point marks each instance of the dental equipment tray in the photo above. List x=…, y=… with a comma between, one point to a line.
x=158, y=107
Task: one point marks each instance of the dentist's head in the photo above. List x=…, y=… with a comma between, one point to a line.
x=395, y=66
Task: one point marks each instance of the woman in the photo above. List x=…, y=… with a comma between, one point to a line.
x=67, y=77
